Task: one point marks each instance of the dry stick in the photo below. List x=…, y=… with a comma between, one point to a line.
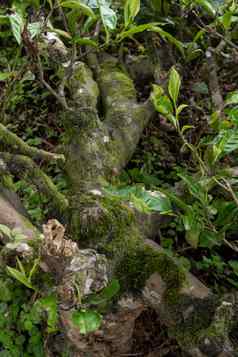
x=213, y=80
x=214, y=32
x=25, y=168
x=16, y=144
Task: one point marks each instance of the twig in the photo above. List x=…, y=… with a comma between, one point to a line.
x=214, y=32
x=230, y=245
x=61, y=99
x=213, y=81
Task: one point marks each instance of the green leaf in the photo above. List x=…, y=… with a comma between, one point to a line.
x=232, y=98
x=34, y=29
x=200, y=87
x=61, y=33
x=49, y=304
x=181, y=108
x=167, y=36
x=207, y=6
x=163, y=105
x=174, y=85
x=4, y=230
x=136, y=29
x=131, y=9
x=186, y=127
x=106, y=294
x=226, y=19
x=76, y=4
x=50, y=3
x=194, y=186
x=209, y=239
x=17, y=25
x=4, y=19
x=84, y=41
x=87, y=320
x=20, y=277
x=108, y=16
x=192, y=227
x=143, y=200
x=21, y=267
x=224, y=143
x=234, y=265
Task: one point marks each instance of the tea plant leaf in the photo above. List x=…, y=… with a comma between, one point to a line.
x=108, y=16
x=49, y=304
x=76, y=4
x=207, y=6
x=86, y=320
x=174, y=85
x=232, y=98
x=181, y=108
x=131, y=9
x=20, y=277
x=106, y=294
x=84, y=41
x=34, y=29
x=143, y=200
x=4, y=230
x=17, y=25
x=6, y=75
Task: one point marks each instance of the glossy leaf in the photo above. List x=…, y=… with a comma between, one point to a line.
x=131, y=9
x=4, y=230
x=133, y=30
x=78, y=5
x=207, y=6
x=108, y=15
x=143, y=200
x=232, y=98
x=174, y=85
x=106, y=294
x=21, y=277
x=34, y=29
x=84, y=41
x=87, y=320
x=49, y=304
x=17, y=25
x=181, y=108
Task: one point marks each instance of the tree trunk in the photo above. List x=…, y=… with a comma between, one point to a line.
x=103, y=126
x=103, y=131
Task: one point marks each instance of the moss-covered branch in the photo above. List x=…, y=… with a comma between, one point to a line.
x=22, y=166
x=11, y=142
x=99, y=148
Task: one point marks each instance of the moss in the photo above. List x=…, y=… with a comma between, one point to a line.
x=101, y=220
x=139, y=265
x=82, y=86
x=189, y=330
x=115, y=85
x=110, y=226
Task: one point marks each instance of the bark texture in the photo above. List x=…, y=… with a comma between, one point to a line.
x=103, y=127
x=103, y=130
